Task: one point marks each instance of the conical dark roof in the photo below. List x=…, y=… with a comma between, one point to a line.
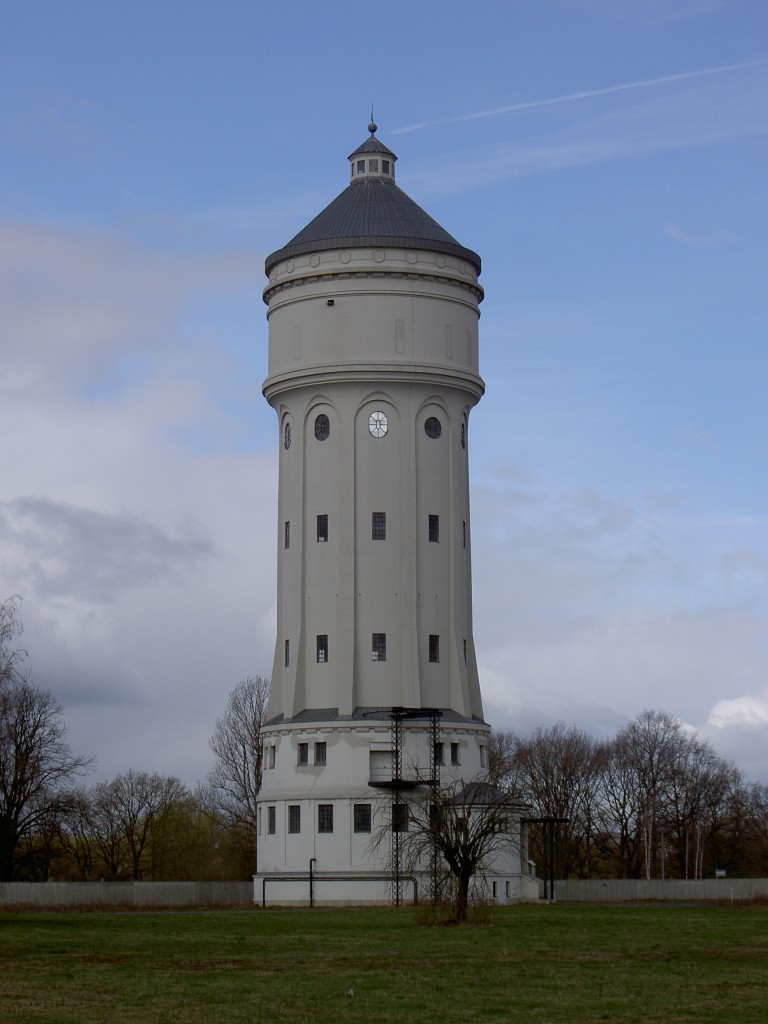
x=372, y=211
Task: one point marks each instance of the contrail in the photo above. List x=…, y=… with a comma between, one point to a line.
x=587, y=94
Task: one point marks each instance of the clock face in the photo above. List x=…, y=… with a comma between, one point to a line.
x=377, y=424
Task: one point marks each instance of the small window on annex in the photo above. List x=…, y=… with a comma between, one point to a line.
x=434, y=529
x=302, y=756
x=294, y=818
x=271, y=820
x=362, y=817
x=320, y=753
x=434, y=647
x=322, y=529
x=455, y=753
x=322, y=647
x=378, y=646
x=325, y=818
x=439, y=756
x=378, y=525
x=271, y=762
x=400, y=817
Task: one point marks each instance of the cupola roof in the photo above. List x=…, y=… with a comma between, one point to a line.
x=372, y=211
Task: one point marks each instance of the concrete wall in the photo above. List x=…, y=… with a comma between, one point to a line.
x=125, y=894
x=619, y=889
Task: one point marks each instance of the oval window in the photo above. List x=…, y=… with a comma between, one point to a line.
x=322, y=427
x=432, y=427
x=287, y=436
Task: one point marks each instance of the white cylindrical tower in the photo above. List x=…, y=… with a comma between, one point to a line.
x=373, y=315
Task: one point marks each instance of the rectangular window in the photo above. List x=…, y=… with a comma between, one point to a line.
x=271, y=820
x=434, y=647
x=373, y=165
x=463, y=533
x=303, y=754
x=379, y=646
x=483, y=756
x=455, y=753
x=325, y=818
x=378, y=525
x=434, y=529
x=464, y=644
x=272, y=757
x=360, y=166
x=322, y=647
x=294, y=818
x=362, y=817
x=506, y=889
x=400, y=817
x=287, y=653
x=494, y=890
x=287, y=541
x=320, y=750
x=439, y=757
x=258, y=820
x=385, y=166
x=322, y=529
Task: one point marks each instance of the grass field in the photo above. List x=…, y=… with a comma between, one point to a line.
x=530, y=964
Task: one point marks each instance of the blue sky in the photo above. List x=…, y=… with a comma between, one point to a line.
x=607, y=159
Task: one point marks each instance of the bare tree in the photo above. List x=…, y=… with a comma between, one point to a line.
x=37, y=767
x=237, y=743
x=126, y=810
x=557, y=770
x=468, y=826
x=10, y=628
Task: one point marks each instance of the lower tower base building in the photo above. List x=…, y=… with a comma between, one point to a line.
x=376, y=724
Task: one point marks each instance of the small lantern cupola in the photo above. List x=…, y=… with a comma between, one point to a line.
x=372, y=160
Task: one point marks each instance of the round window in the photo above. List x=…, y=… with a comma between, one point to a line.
x=432, y=427
x=322, y=427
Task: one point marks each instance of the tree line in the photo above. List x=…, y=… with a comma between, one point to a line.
x=652, y=801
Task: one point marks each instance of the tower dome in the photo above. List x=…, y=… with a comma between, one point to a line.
x=372, y=210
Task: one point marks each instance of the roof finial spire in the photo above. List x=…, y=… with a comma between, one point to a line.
x=372, y=126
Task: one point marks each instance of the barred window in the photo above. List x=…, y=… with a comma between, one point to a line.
x=322, y=529
x=294, y=818
x=379, y=646
x=322, y=647
x=325, y=818
x=434, y=647
x=434, y=529
x=378, y=526
x=362, y=817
